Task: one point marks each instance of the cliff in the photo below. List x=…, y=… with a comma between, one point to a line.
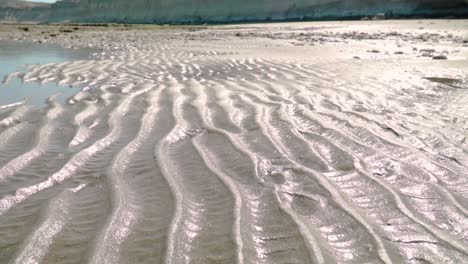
x=200, y=11
x=23, y=11
x=164, y=11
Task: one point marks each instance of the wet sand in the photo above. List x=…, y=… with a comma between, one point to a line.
x=315, y=142
x=15, y=57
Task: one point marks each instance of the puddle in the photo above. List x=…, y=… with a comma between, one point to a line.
x=15, y=56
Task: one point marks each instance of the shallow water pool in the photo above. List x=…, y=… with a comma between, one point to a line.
x=15, y=57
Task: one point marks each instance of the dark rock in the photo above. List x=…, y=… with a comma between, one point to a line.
x=440, y=57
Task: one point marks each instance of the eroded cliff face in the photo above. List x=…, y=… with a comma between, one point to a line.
x=149, y=11
x=164, y=11
x=17, y=11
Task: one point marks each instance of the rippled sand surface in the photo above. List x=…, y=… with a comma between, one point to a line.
x=277, y=143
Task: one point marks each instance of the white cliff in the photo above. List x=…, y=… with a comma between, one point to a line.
x=180, y=11
x=148, y=11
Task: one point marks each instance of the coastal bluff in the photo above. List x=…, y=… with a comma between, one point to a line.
x=211, y=11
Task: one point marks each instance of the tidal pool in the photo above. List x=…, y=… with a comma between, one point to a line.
x=15, y=57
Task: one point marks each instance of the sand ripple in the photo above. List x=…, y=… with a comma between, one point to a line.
x=182, y=155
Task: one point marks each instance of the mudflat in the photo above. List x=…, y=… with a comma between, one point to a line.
x=308, y=142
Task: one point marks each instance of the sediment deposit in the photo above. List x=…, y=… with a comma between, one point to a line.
x=277, y=143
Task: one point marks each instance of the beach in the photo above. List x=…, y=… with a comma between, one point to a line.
x=297, y=142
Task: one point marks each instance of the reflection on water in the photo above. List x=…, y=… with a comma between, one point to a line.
x=15, y=56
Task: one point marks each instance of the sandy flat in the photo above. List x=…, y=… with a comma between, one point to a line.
x=311, y=142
